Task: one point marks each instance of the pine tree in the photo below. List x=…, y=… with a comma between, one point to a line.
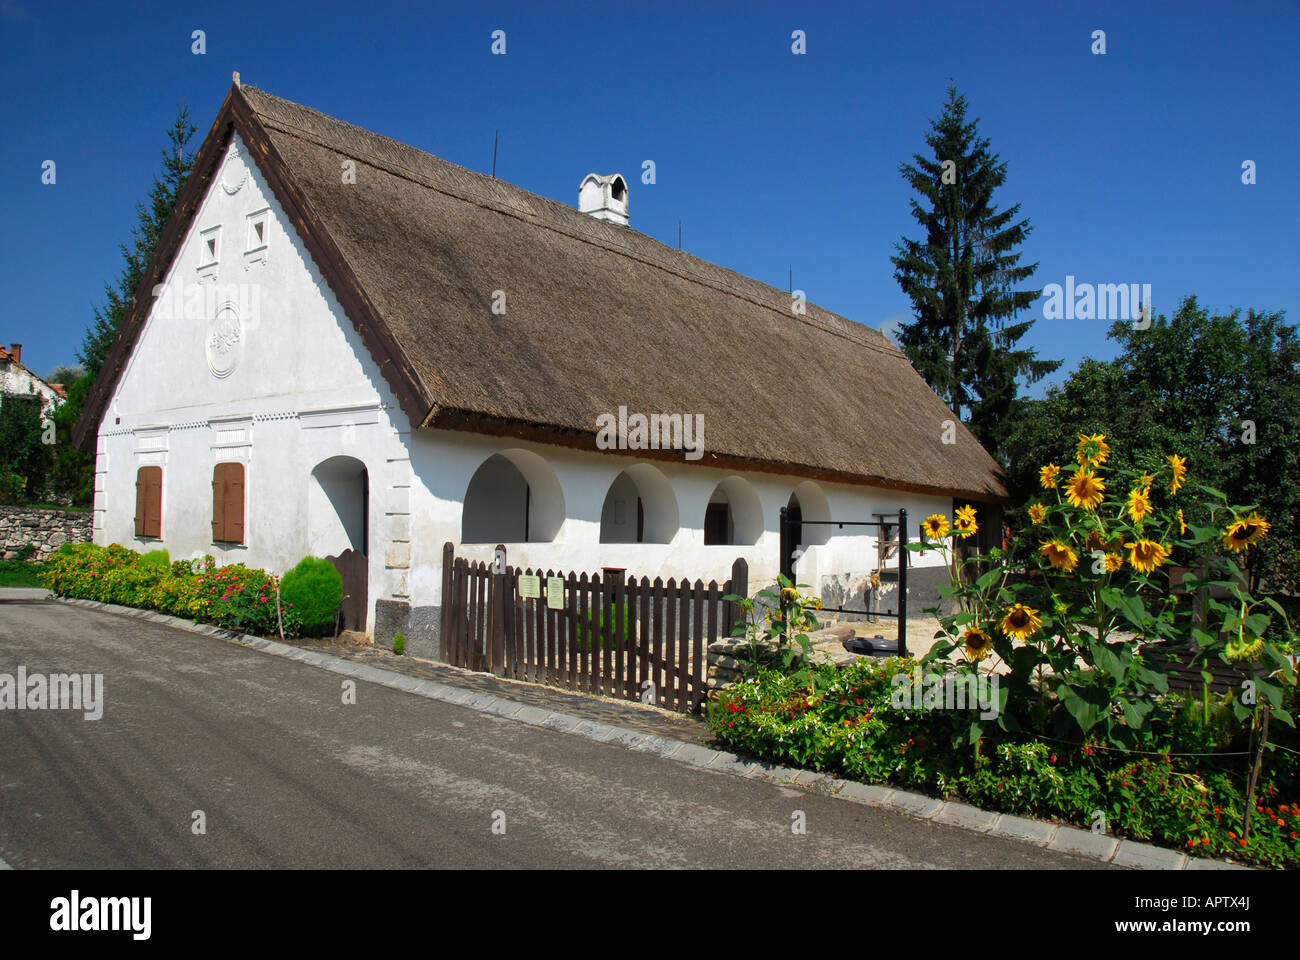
x=151, y=219
x=960, y=278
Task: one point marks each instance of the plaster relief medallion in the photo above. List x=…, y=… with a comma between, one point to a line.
x=225, y=341
x=234, y=173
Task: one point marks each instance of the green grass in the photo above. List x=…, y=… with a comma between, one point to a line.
x=19, y=573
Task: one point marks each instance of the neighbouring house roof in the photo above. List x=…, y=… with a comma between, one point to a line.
x=597, y=316
x=10, y=359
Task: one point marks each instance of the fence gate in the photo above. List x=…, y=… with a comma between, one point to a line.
x=791, y=525
x=605, y=634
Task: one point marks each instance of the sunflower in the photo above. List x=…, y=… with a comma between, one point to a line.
x=1145, y=482
x=935, y=526
x=1060, y=555
x=978, y=643
x=1182, y=524
x=1048, y=475
x=1243, y=533
x=1093, y=541
x=1145, y=555
x=1092, y=451
x=1020, y=622
x=1085, y=490
x=1178, y=466
x=1138, y=504
x=789, y=595
x=1113, y=562
x=964, y=524
x=1037, y=513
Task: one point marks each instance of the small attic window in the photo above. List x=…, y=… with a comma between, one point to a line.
x=259, y=231
x=619, y=189
x=258, y=228
x=210, y=247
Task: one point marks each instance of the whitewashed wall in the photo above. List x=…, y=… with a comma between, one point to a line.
x=447, y=460
x=293, y=387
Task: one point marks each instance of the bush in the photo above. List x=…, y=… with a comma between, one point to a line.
x=1189, y=793
x=399, y=644
x=315, y=590
x=234, y=596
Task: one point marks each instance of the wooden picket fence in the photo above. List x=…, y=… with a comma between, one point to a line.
x=656, y=652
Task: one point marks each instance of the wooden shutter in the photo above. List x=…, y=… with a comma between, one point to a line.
x=148, y=502
x=228, y=503
x=235, y=502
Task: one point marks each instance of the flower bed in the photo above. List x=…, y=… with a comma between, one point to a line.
x=232, y=596
x=843, y=722
x=1079, y=724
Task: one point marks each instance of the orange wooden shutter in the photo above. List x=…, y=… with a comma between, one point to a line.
x=139, y=502
x=235, y=502
x=152, y=501
x=219, y=502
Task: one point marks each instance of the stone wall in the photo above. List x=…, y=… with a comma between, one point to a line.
x=46, y=530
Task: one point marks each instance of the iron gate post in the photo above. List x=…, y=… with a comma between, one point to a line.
x=902, y=581
x=786, y=567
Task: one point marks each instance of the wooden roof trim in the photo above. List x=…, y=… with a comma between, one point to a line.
x=375, y=334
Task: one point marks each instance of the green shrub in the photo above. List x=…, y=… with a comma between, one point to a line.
x=315, y=590
x=399, y=644
x=156, y=558
x=235, y=597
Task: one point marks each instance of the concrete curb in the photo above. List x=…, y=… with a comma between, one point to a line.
x=1052, y=836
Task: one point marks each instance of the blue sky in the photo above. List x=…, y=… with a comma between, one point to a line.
x=1128, y=165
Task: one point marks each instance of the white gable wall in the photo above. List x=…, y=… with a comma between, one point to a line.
x=250, y=359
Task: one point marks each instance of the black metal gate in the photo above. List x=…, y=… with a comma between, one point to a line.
x=791, y=528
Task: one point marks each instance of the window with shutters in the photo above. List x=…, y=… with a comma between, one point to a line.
x=228, y=503
x=148, y=502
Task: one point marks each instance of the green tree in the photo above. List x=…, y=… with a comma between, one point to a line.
x=1221, y=390
x=961, y=276
x=24, y=459
x=151, y=220
x=72, y=470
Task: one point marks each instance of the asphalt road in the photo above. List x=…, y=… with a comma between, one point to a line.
x=288, y=775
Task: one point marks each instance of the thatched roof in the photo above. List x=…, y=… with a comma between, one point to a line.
x=597, y=316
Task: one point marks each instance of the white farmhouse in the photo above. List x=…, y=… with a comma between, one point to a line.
x=16, y=379
x=344, y=343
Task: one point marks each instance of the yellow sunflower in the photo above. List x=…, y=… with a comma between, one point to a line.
x=1113, y=562
x=1139, y=506
x=964, y=521
x=1092, y=451
x=1060, y=555
x=1145, y=482
x=1178, y=466
x=935, y=526
x=1085, y=490
x=1182, y=524
x=1243, y=533
x=1145, y=555
x=978, y=643
x=1037, y=513
x=1020, y=622
x=1047, y=476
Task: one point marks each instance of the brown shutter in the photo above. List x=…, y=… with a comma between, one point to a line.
x=148, y=502
x=139, y=501
x=235, y=502
x=219, y=502
x=152, y=501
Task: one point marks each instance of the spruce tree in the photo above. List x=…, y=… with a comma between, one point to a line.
x=151, y=219
x=961, y=277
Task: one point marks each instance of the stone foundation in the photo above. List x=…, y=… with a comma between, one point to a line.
x=421, y=626
x=44, y=529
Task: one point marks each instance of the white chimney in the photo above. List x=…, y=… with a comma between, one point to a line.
x=605, y=198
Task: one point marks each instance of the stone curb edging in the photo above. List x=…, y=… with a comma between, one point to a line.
x=1052, y=836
